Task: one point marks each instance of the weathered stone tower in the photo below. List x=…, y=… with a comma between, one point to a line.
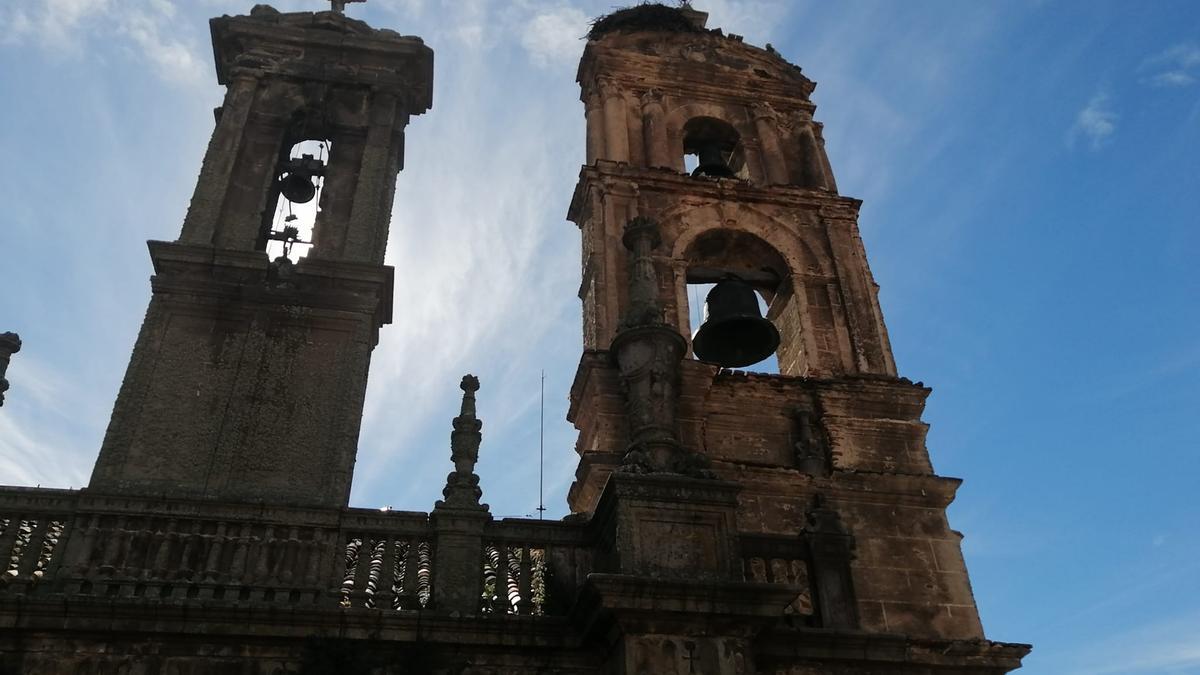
x=248, y=376
x=724, y=523
x=817, y=476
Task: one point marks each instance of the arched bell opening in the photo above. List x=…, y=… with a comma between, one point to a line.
x=713, y=148
x=291, y=214
x=736, y=284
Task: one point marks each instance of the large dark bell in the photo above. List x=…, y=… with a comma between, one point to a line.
x=297, y=187
x=711, y=161
x=734, y=333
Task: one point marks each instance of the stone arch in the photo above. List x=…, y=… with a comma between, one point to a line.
x=756, y=240
x=679, y=115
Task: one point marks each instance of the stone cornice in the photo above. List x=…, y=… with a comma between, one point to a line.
x=305, y=44
x=605, y=173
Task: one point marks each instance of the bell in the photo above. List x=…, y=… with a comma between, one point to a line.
x=297, y=187
x=711, y=161
x=734, y=333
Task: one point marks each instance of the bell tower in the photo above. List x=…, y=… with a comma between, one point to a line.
x=760, y=206
x=247, y=379
x=705, y=166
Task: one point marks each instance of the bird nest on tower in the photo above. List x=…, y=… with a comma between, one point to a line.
x=649, y=16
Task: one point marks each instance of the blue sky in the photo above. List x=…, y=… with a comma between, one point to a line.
x=1031, y=181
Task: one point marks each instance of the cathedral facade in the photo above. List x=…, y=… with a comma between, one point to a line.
x=722, y=521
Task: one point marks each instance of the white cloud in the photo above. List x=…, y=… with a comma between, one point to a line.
x=71, y=27
x=756, y=20
x=552, y=37
x=1097, y=121
x=1177, y=66
x=173, y=60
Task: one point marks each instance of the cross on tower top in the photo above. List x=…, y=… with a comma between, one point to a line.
x=339, y=6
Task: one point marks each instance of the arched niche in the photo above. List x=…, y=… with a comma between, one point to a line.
x=791, y=274
x=685, y=117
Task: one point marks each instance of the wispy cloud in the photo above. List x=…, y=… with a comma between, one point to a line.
x=72, y=27
x=1176, y=66
x=1097, y=121
x=552, y=37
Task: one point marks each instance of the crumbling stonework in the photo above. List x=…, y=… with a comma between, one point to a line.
x=724, y=523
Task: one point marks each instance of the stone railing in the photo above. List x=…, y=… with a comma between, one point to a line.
x=72, y=543
x=532, y=567
x=779, y=560
x=32, y=525
x=388, y=560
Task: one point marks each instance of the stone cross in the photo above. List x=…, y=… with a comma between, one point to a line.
x=339, y=6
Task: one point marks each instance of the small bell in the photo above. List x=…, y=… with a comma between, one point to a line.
x=297, y=183
x=297, y=187
x=734, y=333
x=711, y=160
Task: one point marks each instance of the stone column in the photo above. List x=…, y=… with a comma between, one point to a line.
x=616, y=130
x=459, y=519
x=366, y=233
x=818, y=130
x=766, y=123
x=200, y=223
x=654, y=129
x=337, y=194
x=812, y=168
x=10, y=343
x=648, y=352
x=595, y=127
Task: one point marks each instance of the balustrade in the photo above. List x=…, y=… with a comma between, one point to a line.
x=75, y=544
x=779, y=560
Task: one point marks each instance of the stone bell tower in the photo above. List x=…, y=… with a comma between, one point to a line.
x=708, y=479
x=247, y=379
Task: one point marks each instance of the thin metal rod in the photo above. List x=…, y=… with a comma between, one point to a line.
x=542, y=448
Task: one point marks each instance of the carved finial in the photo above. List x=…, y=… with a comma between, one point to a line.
x=10, y=343
x=462, y=485
x=469, y=385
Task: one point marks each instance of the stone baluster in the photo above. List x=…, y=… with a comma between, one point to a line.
x=8, y=541
x=383, y=585
x=525, y=584
x=32, y=549
x=212, y=565
x=412, y=562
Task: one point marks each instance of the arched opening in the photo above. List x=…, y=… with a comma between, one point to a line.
x=288, y=222
x=712, y=147
x=720, y=255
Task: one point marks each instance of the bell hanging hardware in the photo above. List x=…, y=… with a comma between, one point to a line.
x=289, y=236
x=297, y=179
x=734, y=333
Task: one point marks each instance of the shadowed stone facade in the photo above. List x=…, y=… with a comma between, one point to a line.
x=722, y=522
